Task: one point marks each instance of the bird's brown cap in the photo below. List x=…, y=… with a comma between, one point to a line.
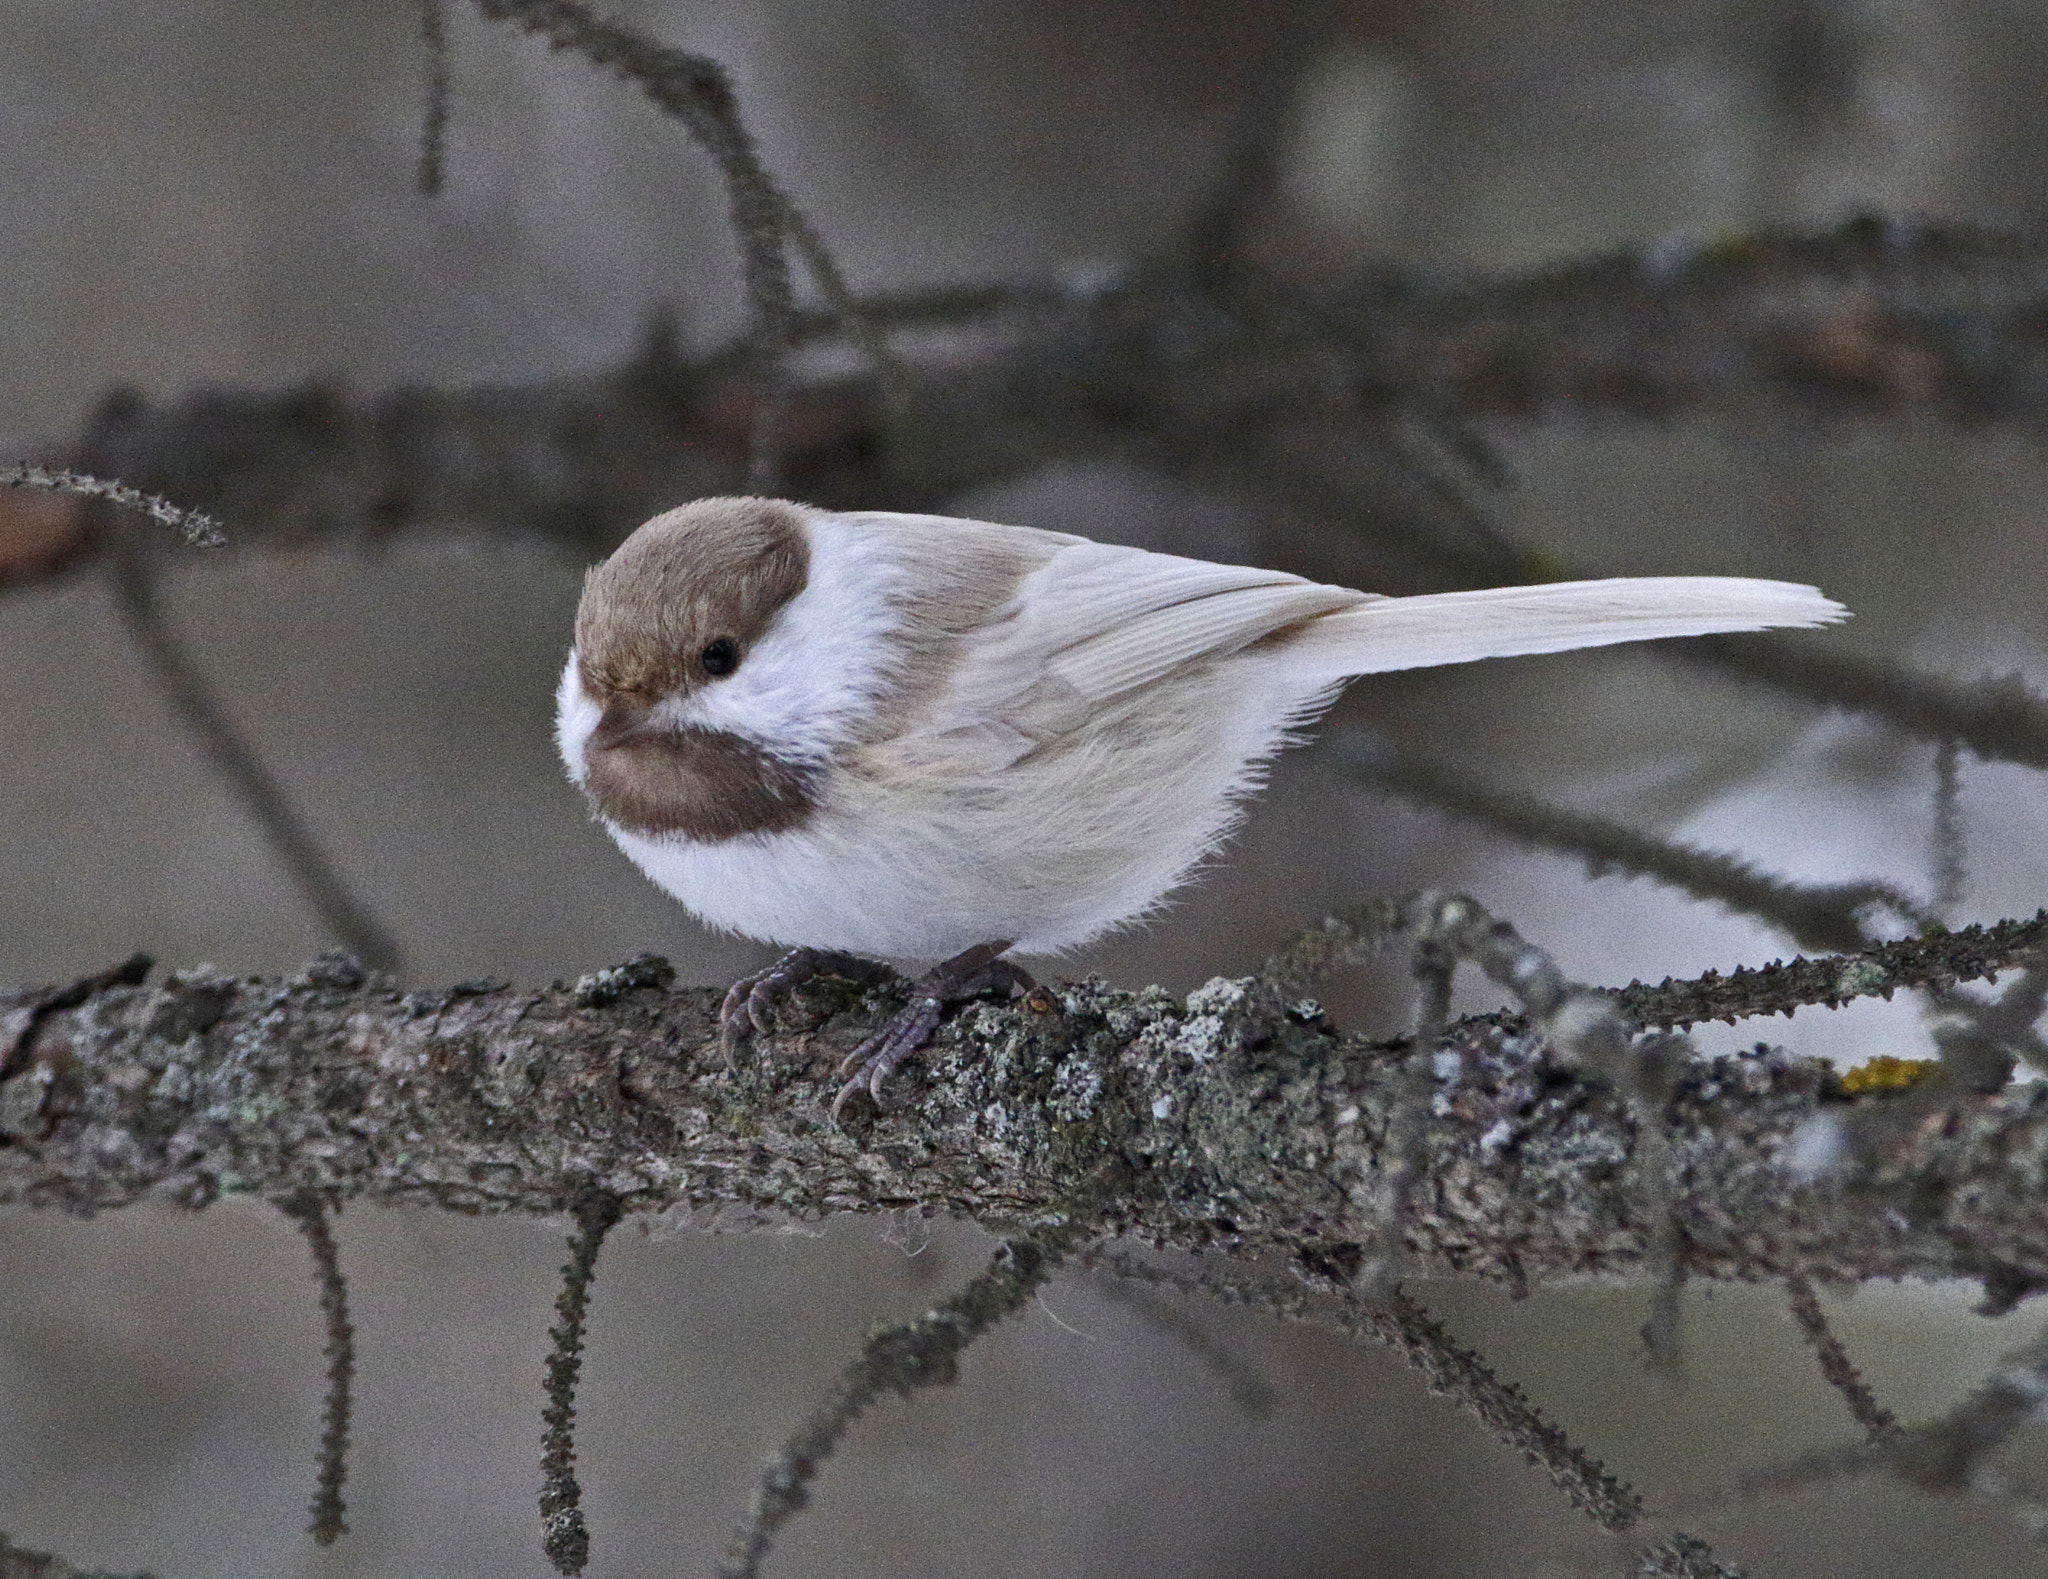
x=718, y=569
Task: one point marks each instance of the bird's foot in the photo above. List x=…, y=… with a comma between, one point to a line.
x=966, y=975
x=750, y=1002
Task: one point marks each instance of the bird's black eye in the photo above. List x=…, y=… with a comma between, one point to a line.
x=721, y=657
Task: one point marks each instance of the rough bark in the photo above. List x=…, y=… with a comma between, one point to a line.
x=1241, y=1123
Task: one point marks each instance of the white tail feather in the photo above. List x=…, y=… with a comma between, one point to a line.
x=1503, y=622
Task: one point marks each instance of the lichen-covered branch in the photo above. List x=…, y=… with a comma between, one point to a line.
x=1240, y=1124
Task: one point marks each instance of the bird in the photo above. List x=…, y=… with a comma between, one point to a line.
x=866, y=735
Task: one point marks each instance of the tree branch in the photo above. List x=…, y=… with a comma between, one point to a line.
x=1241, y=1125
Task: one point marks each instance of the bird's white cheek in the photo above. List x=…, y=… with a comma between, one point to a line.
x=576, y=715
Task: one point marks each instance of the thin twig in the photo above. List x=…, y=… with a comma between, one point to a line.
x=265, y=800
x=1257, y=140
x=1822, y=916
x=434, y=119
x=1936, y=959
x=696, y=90
x=18, y=1562
x=859, y=318
x=1998, y=718
x=1663, y=1330
x=1948, y=850
x=901, y=1359
x=310, y=1214
x=1247, y=1389
x=1682, y=1556
x=1396, y=1321
x=564, y=1536
x=199, y=529
x=1946, y=1454
x=1878, y=1422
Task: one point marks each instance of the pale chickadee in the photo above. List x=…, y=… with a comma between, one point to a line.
x=863, y=733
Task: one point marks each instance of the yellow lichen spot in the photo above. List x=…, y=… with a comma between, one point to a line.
x=1888, y=1074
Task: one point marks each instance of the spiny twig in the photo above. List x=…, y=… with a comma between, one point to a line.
x=1938, y=958
x=901, y=1359
x=310, y=1213
x=311, y=869
x=696, y=91
x=198, y=528
x=1878, y=1422
x=564, y=1536
x=1682, y=1556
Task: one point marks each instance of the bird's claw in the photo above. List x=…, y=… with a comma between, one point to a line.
x=966, y=975
x=750, y=1002
x=876, y=1058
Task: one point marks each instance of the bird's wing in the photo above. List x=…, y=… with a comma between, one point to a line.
x=1096, y=620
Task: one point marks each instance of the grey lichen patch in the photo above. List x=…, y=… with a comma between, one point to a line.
x=1859, y=977
x=1215, y=1012
x=1076, y=1088
x=22, y=1099
x=601, y=988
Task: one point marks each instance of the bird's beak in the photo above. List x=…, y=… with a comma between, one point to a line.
x=622, y=724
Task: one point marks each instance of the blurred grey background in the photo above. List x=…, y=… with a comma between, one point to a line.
x=193, y=194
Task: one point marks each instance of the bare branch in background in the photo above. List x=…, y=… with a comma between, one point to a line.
x=311, y=1216
x=1999, y=719
x=1877, y=1421
x=1948, y=849
x=564, y=1536
x=17, y=1562
x=1050, y=374
x=199, y=529
x=901, y=1359
x=1249, y=1391
x=1263, y=121
x=1818, y=916
x=434, y=116
x=204, y=715
x=1395, y=1320
x=1947, y=1455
